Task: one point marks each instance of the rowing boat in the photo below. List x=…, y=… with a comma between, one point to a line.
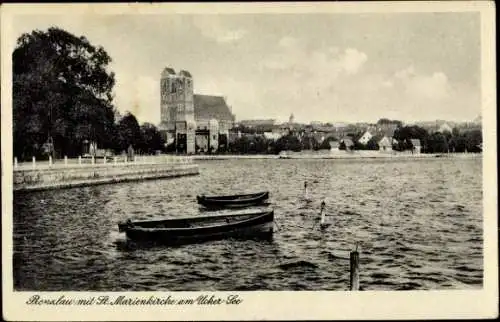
x=233, y=201
x=201, y=228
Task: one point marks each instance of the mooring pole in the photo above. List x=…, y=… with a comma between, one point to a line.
x=354, y=269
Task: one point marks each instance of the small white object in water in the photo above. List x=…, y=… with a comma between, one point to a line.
x=306, y=194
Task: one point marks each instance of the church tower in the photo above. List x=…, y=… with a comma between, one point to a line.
x=177, y=109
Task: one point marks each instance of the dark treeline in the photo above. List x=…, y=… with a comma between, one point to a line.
x=456, y=141
x=464, y=141
x=62, y=99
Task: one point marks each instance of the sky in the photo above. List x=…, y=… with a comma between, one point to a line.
x=341, y=67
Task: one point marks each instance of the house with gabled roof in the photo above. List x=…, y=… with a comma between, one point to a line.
x=365, y=138
x=334, y=145
x=417, y=146
x=445, y=128
x=385, y=144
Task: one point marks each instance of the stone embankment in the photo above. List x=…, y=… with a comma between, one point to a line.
x=29, y=177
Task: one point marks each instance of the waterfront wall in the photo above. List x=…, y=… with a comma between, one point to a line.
x=44, y=178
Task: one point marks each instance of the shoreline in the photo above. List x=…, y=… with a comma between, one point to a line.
x=340, y=156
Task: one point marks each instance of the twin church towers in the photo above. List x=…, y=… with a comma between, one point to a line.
x=196, y=123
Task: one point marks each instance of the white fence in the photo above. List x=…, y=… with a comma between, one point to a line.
x=106, y=161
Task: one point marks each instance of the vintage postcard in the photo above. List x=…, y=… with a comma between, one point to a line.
x=249, y=161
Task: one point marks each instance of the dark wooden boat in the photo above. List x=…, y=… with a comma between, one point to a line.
x=233, y=201
x=201, y=228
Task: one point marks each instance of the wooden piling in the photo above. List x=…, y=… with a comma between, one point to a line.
x=354, y=270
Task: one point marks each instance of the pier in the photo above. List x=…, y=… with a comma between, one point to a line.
x=69, y=173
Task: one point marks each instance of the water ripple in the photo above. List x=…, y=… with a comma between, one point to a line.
x=418, y=225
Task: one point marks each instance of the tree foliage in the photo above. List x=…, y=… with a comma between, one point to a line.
x=288, y=143
x=129, y=133
x=403, y=136
x=152, y=139
x=385, y=121
x=61, y=90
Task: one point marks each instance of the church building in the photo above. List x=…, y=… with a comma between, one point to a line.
x=196, y=123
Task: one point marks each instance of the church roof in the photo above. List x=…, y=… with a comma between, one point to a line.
x=211, y=107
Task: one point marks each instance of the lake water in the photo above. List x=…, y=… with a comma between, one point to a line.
x=418, y=224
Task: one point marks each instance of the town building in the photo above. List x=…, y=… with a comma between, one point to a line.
x=334, y=146
x=365, y=138
x=258, y=123
x=385, y=144
x=445, y=128
x=417, y=146
x=196, y=123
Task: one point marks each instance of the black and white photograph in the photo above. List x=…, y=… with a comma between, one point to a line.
x=201, y=155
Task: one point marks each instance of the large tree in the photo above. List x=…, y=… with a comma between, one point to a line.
x=61, y=92
x=403, y=136
x=129, y=133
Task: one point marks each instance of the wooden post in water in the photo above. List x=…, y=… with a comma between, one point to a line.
x=354, y=270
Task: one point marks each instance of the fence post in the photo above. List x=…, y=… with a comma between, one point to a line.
x=65, y=160
x=34, y=162
x=15, y=162
x=354, y=270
